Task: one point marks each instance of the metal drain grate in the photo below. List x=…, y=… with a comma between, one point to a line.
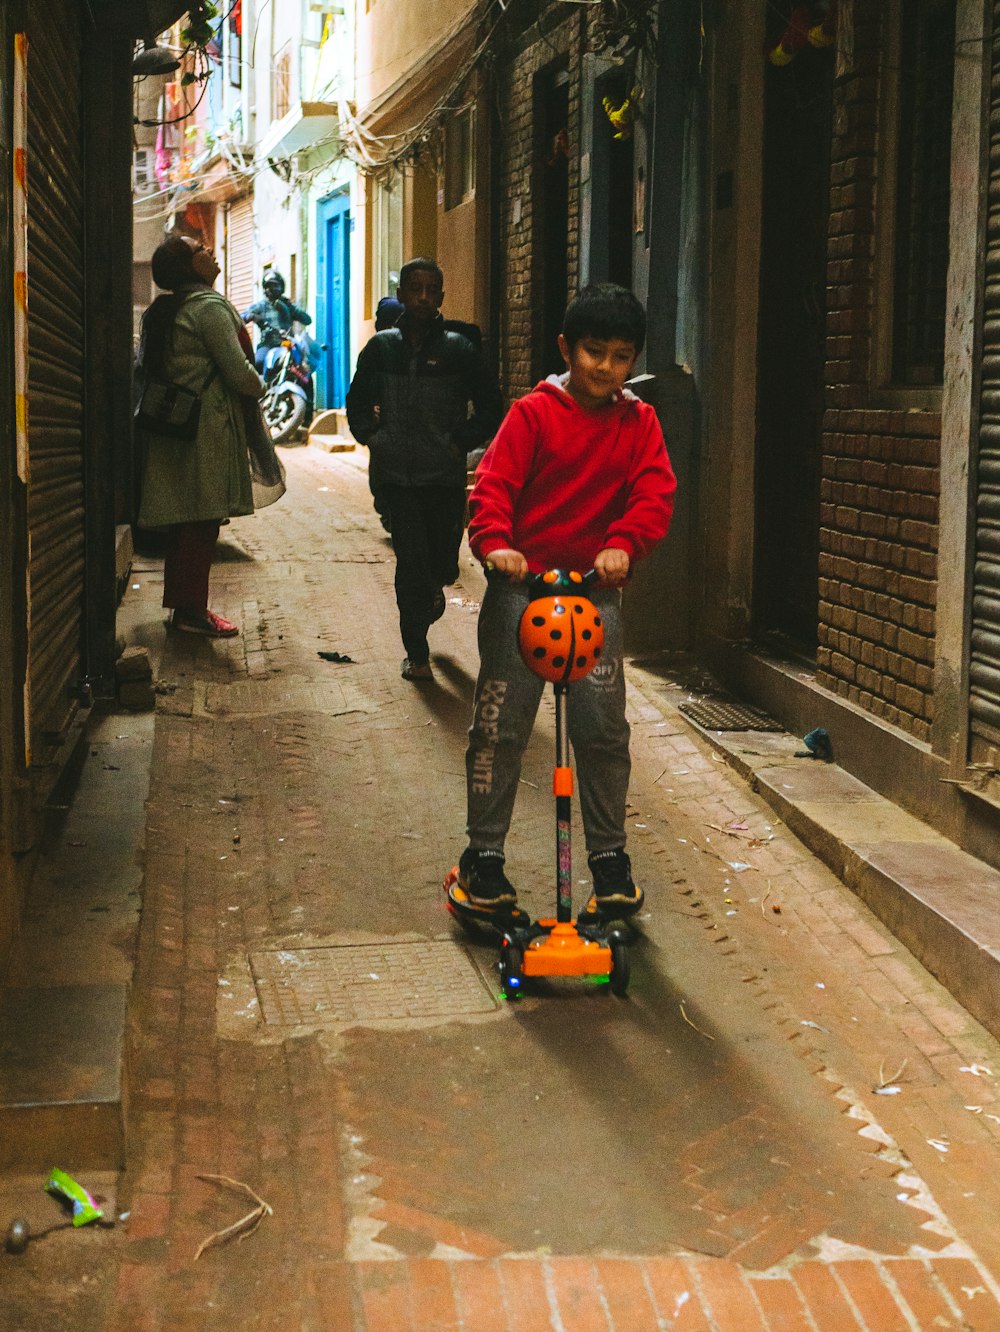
x=352, y=983
x=715, y=715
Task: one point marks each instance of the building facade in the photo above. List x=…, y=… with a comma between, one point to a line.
x=847, y=512
x=65, y=481
x=420, y=134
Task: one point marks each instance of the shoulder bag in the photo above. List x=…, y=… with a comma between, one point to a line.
x=168, y=410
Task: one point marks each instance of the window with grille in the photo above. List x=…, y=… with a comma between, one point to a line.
x=923, y=165
x=234, y=45
x=143, y=178
x=281, y=82
x=388, y=235
x=460, y=157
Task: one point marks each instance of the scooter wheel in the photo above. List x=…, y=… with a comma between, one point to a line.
x=511, y=974
x=620, y=967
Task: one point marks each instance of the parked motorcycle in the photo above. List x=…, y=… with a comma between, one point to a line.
x=288, y=400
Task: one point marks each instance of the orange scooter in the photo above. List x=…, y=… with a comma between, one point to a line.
x=561, y=637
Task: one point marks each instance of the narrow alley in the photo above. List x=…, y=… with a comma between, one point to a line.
x=787, y=1124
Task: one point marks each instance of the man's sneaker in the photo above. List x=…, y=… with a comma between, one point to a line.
x=206, y=623
x=481, y=876
x=437, y=606
x=613, y=885
x=416, y=670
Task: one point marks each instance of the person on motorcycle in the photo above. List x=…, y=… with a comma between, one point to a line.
x=274, y=316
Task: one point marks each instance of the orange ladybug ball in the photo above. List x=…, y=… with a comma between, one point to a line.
x=561, y=637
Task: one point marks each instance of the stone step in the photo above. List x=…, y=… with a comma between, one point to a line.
x=63, y=1001
x=332, y=443
x=61, y=1064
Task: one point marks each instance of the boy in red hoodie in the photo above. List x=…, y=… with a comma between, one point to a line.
x=577, y=477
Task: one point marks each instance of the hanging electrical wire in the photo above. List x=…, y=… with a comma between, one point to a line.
x=383, y=153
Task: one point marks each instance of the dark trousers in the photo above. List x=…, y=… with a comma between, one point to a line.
x=427, y=525
x=507, y=698
x=187, y=560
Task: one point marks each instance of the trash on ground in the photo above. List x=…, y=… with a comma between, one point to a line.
x=939, y=1144
x=18, y=1235
x=85, y=1209
x=981, y=1110
x=335, y=656
x=692, y=1025
x=887, y=1085
x=977, y=1070
x=246, y=1225
x=815, y=1025
x=817, y=745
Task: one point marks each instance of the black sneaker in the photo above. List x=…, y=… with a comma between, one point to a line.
x=481, y=876
x=613, y=885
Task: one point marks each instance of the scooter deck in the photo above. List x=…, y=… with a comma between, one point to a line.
x=559, y=949
x=595, y=916
x=484, y=920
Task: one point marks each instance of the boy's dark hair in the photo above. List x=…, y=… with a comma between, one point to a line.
x=604, y=310
x=430, y=265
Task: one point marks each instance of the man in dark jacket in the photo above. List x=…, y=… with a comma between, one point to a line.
x=409, y=403
x=274, y=316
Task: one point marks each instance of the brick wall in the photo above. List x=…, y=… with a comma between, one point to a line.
x=516, y=74
x=880, y=478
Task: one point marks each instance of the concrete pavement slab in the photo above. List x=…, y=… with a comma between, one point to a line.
x=722, y=1149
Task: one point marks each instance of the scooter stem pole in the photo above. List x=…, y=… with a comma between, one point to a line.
x=564, y=853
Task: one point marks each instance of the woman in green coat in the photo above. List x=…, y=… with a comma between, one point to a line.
x=190, y=337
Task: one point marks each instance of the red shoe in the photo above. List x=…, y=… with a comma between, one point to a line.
x=206, y=623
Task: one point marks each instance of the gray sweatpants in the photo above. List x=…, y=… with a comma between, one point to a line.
x=507, y=698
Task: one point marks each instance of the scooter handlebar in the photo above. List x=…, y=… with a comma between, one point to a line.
x=556, y=580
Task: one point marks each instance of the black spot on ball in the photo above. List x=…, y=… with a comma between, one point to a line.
x=597, y=651
x=556, y=634
x=558, y=662
x=587, y=633
x=538, y=653
x=538, y=620
x=581, y=661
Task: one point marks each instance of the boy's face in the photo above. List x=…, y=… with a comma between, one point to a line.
x=421, y=293
x=598, y=368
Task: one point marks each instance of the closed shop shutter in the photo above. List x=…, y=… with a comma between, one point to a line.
x=56, y=357
x=239, y=250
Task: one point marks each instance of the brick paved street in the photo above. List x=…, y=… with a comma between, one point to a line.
x=725, y=1149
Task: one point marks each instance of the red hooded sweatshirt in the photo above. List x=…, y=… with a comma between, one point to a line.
x=560, y=482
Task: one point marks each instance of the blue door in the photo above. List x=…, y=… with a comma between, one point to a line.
x=333, y=300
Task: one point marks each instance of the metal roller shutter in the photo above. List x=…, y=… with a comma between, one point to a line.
x=56, y=359
x=239, y=251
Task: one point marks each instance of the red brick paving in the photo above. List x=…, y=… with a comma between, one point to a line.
x=265, y=1113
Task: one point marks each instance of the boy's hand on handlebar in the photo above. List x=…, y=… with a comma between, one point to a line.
x=510, y=563
x=612, y=566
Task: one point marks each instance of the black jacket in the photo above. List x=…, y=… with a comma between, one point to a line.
x=423, y=429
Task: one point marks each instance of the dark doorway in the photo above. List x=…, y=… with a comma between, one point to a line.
x=612, y=172
x=792, y=340
x=550, y=269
